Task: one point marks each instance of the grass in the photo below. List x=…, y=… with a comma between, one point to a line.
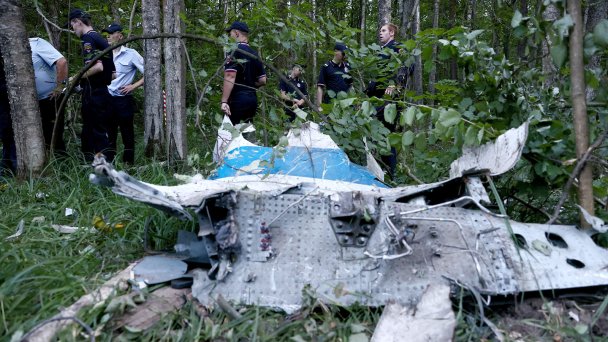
x=42, y=270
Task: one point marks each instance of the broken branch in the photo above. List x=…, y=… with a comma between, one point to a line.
x=577, y=169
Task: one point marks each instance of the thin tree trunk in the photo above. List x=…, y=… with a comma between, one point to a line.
x=523, y=43
x=384, y=12
x=154, y=133
x=175, y=77
x=53, y=32
x=27, y=126
x=417, y=59
x=407, y=15
x=452, y=22
x=551, y=14
x=471, y=13
x=596, y=11
x=362, y=22
x=433, y=73
x=581, y=125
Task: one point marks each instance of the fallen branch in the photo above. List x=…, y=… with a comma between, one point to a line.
x=577, y=169
x=46, y=330
x=85, y=326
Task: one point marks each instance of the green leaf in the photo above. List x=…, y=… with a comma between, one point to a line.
x=480, y=136
x=394, y=139
x=420, y=142
x=449, y=117
x=390, y=112
x=367, y=108
x=408, y=138
x=600, y=33
x=475, y=33
x=559, y=53
x=300, y=113
x=470, y=136
x=562, y=25
x=516, y=20
x=347, y=102
x=409, y=115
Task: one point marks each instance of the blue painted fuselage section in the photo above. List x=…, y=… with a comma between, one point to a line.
x=317, y=163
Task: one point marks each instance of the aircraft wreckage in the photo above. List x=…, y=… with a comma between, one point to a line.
x=271, y=224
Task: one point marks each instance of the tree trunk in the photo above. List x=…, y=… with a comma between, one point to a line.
x=551, y=14
x=154, y=133
x=384, y=12
x=27, y=126
x=452, y=22
x=471, y=13
x=315, y=69
x=523, y=43
x=433, y=72
x=407, y=8
x=596, y=11
x=53, y=32
x=175, y=78
x=362, y=22
x=579, y=106
x=417, y=59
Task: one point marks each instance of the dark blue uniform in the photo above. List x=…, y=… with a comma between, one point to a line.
x=289, y=89
x=243, y=100
x=9, y=151
x=95, y=98
x=334, y=77
x=377, y=88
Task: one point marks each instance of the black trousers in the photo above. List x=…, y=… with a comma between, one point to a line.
x=9, y=151
x=48, y=115
x=121, y=117
x=94, y=111
x=243, y=106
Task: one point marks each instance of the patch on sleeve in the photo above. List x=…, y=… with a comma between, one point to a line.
x=87, y=47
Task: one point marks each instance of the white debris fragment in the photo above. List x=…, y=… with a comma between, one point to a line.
x=19, y=231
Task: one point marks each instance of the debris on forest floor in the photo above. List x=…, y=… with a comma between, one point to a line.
x=46, y=330
x=18, y=233
x=432, y=319
x=556, y=319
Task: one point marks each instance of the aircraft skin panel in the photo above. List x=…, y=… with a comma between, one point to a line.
x=314, y=163
x=309, y=220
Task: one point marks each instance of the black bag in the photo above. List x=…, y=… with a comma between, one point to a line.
x=404, y=73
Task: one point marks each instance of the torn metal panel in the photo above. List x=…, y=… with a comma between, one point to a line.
x=158, y=269
x=495, y=157
x=269, y=235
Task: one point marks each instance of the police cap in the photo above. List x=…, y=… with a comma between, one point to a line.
x=238, y=25
x=113, y=27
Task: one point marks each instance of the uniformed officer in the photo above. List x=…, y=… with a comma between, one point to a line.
x=334, y=76
x=288, y=93
x=51, y=72
x=94, y=83
x=385, y=85
x=243, y=74
x=122, y=108
x=385, y=82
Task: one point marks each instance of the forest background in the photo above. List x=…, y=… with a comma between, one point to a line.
x=481, y=67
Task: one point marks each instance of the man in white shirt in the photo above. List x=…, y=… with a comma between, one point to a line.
x=51, y=72
x=127, y=62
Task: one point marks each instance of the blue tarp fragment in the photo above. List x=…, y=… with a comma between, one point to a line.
x=318, y=163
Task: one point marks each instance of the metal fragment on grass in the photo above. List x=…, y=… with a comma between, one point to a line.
x=20, y=228
x=158, y=269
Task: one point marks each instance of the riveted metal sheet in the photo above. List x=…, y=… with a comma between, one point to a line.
x=448, y=243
